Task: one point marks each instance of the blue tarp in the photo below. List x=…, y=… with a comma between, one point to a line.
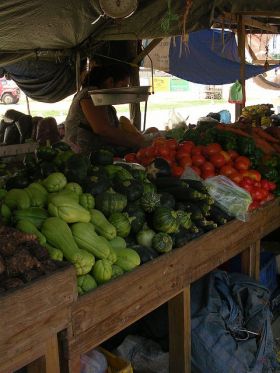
x=209, y=57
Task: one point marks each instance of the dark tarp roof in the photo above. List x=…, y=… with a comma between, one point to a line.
x=54, y=30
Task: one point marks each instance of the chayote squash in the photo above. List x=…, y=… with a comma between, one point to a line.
x=54, y=253
x=68, y=210
x=102, y=225
x=116, y=271
x=118, y=243
x=55, y=182
x=17, y=199
x=102, y=271
x=72, y=196
x=74, y=187
x=59, y=235
x=37, y=197
x=87, y=239
x=127, y=259
x=28, y=227
x=87, y=201
x=85, y=283
x=36, y=215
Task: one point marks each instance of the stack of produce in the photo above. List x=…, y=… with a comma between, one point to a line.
x=104, y=218
x=211, y=160
x=22, y=259
x=258, y=115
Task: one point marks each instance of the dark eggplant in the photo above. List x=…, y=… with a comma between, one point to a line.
x=146, y=253
x=159, y=167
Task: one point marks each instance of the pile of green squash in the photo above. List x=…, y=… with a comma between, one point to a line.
x=104, y=218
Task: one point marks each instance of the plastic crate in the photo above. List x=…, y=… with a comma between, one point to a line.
x=268, y=269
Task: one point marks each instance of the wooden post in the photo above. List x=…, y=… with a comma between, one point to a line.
x=241, y=35
x=179, y=314
x=134, y=109
x=250, y=260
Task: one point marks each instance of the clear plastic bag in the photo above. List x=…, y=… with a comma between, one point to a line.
x=229, y=196
x=176, y=120
x=94, y=362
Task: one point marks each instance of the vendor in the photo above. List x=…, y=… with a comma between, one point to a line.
x=87, y=127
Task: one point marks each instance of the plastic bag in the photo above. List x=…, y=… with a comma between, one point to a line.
x=236, y=94
x=93, y=362
x=230, y=197
x=175, y=120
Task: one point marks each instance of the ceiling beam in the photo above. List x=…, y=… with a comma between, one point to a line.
x=232, y=19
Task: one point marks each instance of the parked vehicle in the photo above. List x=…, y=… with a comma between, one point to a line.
x=9, y=92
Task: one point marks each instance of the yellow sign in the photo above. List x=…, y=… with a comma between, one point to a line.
x=161, y=84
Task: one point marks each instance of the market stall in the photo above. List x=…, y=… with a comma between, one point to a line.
x=70, y=209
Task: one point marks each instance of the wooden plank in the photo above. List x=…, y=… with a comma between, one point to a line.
x=146, y=51
x=250, y=260
x=10, y=150
x=37, y=366
x=179, y=314
x=52, y=355
x=156, y=282
x=40, y=310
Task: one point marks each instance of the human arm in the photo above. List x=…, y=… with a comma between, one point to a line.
x=98, y=121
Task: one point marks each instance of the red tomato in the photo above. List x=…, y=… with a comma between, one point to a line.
x=159, y=141
x=130, y=157
x=207, y=173
x=186, y=145
x=258, y=194
x=227, y=170
x=233, y=154
x=226, y=155
x=253, y=205
x=213, y=148
x=196, y=170
x=181, y=154
x=218, y=160
x=252, y=174
x=146, y=161
x=207, y=166
x=185, y=161
x=243, y=184
x=141, y=154
x=236, y=177
x=150, y=151
x=196, y=150
x=177, y=170
x=161, y=150
x=198, y=160
x=268, y=185
x=242, y=163
x=172, y=144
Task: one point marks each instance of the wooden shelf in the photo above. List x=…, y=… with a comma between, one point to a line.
x=110, y=308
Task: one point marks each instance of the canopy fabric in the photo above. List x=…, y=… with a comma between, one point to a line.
x=37, y=30
x=207, y=57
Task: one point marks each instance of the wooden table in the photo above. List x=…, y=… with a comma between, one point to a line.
x=30, y=319
x=111, y=308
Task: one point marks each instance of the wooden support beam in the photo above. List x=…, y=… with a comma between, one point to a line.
x=241, y=51
x=146, y=51
x=179, y=313
x=250, y=260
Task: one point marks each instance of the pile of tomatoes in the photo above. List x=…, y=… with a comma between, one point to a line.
x=207, y=161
